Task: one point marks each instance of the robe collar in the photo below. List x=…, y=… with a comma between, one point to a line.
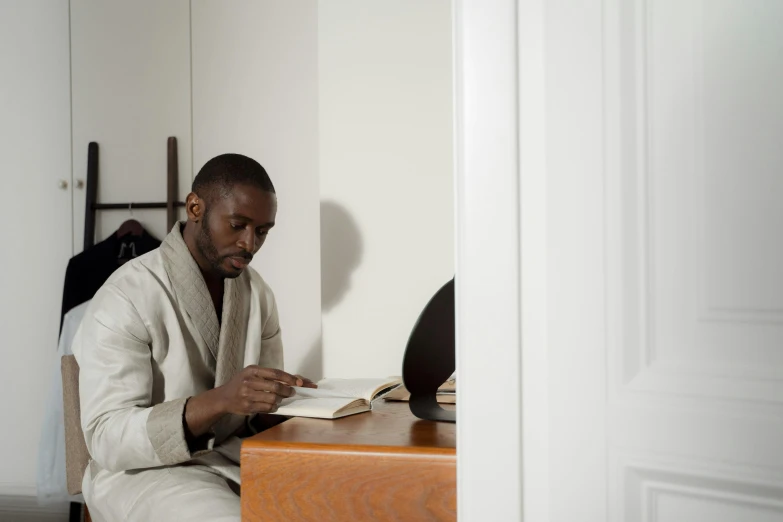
x=191, y=291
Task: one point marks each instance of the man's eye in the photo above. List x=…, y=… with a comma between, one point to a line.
x=262, y=232
x=237, y=227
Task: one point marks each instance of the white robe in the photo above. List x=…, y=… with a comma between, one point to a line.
x=149, y=341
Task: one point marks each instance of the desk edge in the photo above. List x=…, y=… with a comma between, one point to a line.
x=252, y=446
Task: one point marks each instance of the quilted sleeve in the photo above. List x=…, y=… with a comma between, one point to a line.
x=122, y=430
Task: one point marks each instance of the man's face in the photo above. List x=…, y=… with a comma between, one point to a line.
x=234, y=227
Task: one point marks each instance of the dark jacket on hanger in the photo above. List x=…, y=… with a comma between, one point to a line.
x=88, y=270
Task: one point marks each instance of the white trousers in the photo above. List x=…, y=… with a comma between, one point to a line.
x=193, y=493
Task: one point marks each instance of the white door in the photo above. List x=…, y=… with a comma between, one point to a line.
x=665, y=134
x=648, y=294
x=35, y=223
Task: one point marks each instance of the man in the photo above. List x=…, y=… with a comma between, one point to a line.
x=179, y=352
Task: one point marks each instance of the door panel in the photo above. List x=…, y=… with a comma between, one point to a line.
x=694, y=272
x=35, y=221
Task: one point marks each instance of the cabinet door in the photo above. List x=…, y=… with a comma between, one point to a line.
x=131, y=91
x=35, y=220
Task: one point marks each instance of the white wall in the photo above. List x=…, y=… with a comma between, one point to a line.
x=255, y=92
x=35, y=224
x=385, y=107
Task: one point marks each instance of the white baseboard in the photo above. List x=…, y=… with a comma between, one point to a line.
x=26, y=509
x=14, y=489
x=18, y=503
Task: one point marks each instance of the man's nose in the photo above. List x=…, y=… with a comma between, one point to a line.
x=248, y=241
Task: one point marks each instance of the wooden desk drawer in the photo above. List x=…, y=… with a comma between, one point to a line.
x=368, y=483
x=384, y=465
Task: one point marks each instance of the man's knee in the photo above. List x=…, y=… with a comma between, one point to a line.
x=181, y=493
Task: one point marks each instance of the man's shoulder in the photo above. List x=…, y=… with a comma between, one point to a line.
x=147, y=268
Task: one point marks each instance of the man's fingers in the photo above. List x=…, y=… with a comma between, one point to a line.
x=271, y=387
x=262, y=402
x=273, y=374
x=261, y=396
x=306, y=383
x=263, y=407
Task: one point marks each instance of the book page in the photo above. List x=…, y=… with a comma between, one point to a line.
x=320, y=408
x=358, y=388
x=316, y=393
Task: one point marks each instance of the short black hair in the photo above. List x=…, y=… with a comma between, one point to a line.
x=220, y=174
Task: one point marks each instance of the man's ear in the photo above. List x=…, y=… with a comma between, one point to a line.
x=194, y=207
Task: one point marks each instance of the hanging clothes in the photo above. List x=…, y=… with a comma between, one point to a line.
x=88, y=270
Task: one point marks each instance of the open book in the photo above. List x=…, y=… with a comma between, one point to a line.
x=335, y=398
x=447, y=393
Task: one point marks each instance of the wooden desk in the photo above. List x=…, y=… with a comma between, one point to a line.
x=376, y=466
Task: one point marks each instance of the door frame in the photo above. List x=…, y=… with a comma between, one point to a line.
x=501, y=294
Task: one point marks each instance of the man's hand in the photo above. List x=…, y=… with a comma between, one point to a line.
x=306, y=383
x=257, y=390
x=253, y=390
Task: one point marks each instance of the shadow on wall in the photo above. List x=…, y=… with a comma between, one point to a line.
x=341, y=254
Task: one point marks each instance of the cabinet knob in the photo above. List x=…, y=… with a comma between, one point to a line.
x=79, y=183
x=62, y=184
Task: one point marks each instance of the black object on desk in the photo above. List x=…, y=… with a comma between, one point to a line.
x=429, y=357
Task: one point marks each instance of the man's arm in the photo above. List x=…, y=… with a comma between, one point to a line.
x=253, y=390
x=271, y=355
x=115, y=385
x=122, y=429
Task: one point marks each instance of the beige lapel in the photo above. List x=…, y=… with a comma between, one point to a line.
x=190, y=288
x=230, y=360
x=227, y=342
x=236, y=300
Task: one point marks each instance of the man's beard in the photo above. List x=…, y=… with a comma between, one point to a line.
x=209, y=252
